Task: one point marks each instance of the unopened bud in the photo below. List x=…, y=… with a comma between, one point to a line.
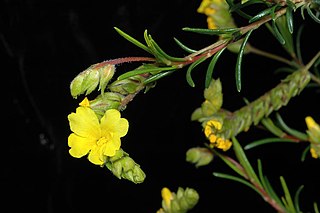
x=127, y=86
x=119, y=154
x=179, y=202
x=139, y=175
x=213, y=96
x=127, y=163
x=116, y=169
x=106, y=73
x=199, y=156
x=88, y=80
x=122, y=166
x=108, y=100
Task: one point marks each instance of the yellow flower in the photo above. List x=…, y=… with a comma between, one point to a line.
x=85, y=102
x=223, y=144
x=311, y=124
x=101, y=139
x=314, y=136
x=212, y=138
x=214, y=123
x=166, y=196
x=313, y=153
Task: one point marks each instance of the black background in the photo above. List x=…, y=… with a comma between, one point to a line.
x=45, y=44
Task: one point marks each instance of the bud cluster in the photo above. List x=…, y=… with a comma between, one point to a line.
x=123, y=166
x=179, y=202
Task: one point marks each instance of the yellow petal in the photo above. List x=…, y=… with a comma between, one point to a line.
x=313, y=153
x=166, y=196
x=95, y=156
x=207, y=130
x=79, y=146
x=85, y=123
x=85, y=102
x=110, y=148
x=112, y=123
x=311, y=123
x=216, y=124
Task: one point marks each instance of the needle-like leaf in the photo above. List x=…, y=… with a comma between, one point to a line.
x=239, y=60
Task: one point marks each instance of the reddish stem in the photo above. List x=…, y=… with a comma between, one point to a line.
x=124, y=60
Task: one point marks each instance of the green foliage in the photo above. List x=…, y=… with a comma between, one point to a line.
x=278, y=17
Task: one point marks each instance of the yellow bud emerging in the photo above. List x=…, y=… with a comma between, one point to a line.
x=312, y=124
x=85, y=102
x=214, y=123
x=223, y=144
x=166, y=196
x=313, y=153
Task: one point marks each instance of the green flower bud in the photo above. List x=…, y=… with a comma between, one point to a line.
x=139, y=175
x=235, y=47
x=119, y=154
x=108, y=100
x=175, y=207
x=116, y=169
x=197, y=114
x=122, y=166
x=106, y=73
x=76, y=85
x=127, y=163
x=88, y=80
x=179, y=202
x=199, y=156
x=85, y=82
x=213, y=101
x=191, y=196
x=127, y=86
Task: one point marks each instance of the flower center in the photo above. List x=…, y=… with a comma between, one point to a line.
x=102, y=141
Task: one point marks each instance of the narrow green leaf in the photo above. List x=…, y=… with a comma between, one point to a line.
x=282, y=24
x=304, y=153
x=211, y=67
x=272, y=193
x=268, y=123
x=240, y=5
x=236, y=179
x=284, y=201
x=244, y=161
x=230, y=162
x=296, y=133
x=233, y=7
x=302, y=11
x=287, y=194
x=260, y=173
x=146, y=38
x=314, y=17
x=298, y=42
x=190, y=68
x=132, y=40
x=277, y=34
x=164, y=54
x=140, y=71
x=157, y=76
x=184, y=47
x=289, y=19
x=296, y=199
x=261, y=15
x=266, y=141
x=211, y=31
x=239, y=60
x=315, y=207
x=291, y=5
